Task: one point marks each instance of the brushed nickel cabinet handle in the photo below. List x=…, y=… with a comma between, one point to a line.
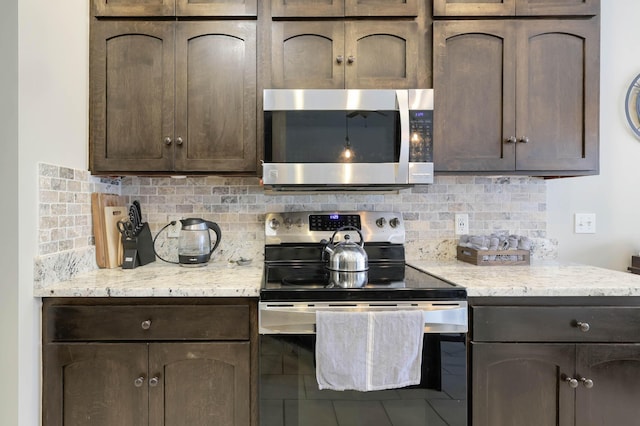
x=167, y=140
x=139, y=381
x=339, y=59
x=524, y=139
x=583, y=326
x=179, y=140
x=573, y=383
x=146, y=324
x=153, y=382
x=351, y=59
x=511, y=139
x=587, y=383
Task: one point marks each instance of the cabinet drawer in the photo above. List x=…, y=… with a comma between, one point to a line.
x=148, y=322
x=556, y=324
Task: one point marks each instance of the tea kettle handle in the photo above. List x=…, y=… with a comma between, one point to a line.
x=347, y=228
x=215, y=228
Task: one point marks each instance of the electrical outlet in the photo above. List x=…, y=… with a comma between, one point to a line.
x=173, y=231
x=585, y=223
x=461, y=223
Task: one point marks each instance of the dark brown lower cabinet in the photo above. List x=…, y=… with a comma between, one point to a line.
x=585, y=373
x=160, y=380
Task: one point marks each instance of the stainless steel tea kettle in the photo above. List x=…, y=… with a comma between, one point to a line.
x=348, y=261
x=194, y=241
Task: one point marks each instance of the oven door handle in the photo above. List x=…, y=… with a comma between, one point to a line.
x=275, y=318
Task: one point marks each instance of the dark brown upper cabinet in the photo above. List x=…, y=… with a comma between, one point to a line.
x=134, y=8
x=341, y=8
x=515, y=7
x=170, y=96
x=336, y=54
x=517, y=96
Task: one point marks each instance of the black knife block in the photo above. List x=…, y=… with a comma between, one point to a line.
x=138, y=250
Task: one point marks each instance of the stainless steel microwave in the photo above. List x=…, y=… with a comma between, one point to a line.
x=349, y=139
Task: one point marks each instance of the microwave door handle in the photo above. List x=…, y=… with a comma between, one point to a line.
x=402, y=97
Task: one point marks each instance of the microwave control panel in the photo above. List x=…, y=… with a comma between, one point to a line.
x=421, y=136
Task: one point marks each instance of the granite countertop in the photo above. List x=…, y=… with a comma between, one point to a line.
x=542, y=278
x=160, y=279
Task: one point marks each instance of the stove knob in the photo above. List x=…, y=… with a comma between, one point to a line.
x=274, y=224
x=394, y=222
x=288, y=222
x=381, y=222
x=299, y=223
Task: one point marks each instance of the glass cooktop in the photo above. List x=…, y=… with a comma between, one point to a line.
x=385, y=282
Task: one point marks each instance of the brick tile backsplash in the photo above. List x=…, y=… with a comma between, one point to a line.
x=238, y=205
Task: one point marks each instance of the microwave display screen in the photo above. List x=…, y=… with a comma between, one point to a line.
x=299, y=136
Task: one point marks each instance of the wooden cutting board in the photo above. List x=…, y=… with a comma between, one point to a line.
x=98, y=203
x=114, y=244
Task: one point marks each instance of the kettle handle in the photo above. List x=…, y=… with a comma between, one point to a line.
x=346, y=228
x=215, y=228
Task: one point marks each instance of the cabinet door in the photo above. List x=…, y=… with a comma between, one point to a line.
x=557, y=95
x=308, y=55
x=474, y=87
x=615, y=373
x=515, y=7
x=522, y=384
x=200, y=384
x=131, y=96
x=381, y=8
x=474, y=7
x=307, y=8
x=216, y=7
x=381, y=54
x=97, y=384
x=216, y=96
x=557, y=7
x=130, y=8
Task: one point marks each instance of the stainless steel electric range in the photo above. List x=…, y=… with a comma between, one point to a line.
x=297, y=284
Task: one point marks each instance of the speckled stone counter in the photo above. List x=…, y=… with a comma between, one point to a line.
x=536, y=280
x=159, y=279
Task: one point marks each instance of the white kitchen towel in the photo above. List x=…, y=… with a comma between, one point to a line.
x=367, y=351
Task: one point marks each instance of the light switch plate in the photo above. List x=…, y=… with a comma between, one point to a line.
x=585, y=223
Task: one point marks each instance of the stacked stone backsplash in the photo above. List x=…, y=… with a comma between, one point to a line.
x=238, y=205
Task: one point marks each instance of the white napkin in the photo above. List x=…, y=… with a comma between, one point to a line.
x=368, y=351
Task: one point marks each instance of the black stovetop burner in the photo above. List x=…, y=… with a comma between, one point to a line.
x=386, y=282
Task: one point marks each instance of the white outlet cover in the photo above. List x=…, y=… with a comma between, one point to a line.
x=461, y=224
x=585, y=223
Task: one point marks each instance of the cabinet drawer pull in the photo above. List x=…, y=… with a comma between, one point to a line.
x=339, y=59
x=146, y=324
x=524, y=139
x=179, y=140
x=583, y=326
x=351, y=59
x=573, y=383
x=511, y=139
x=167, y=140
x=153, y=382
x=587, y=383
x=138, y=382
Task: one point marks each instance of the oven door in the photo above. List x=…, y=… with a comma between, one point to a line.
x=289, y=393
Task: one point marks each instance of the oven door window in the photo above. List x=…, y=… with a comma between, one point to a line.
x=332, y=136
x=289, y=393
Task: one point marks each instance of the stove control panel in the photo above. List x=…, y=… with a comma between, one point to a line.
x=331, y=222
x=312, y=227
